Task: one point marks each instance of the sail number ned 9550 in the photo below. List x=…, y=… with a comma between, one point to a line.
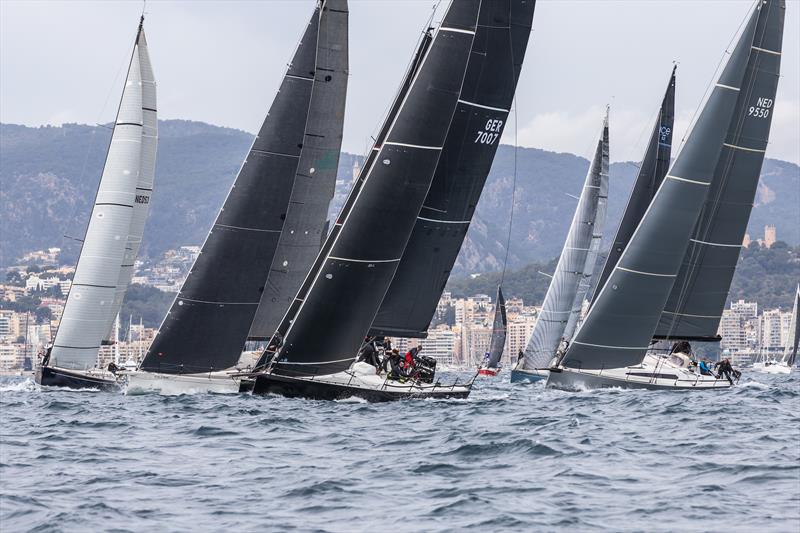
x=761, y=109
x=490, y=132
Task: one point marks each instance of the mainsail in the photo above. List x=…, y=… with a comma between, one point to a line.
x=481, y=115
x=654, y=167
x=620, y=325
x=89, y=309
x=694, y=307
x=207, y=325
x=144, y=183
x=334, y=309
x=499, y=325
x=790, y=350
x=561, y=294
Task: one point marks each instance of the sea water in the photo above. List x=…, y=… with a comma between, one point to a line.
x=511, y=457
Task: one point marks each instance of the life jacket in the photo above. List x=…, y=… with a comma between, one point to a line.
x=409, y=361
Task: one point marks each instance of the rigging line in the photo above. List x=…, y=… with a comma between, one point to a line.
x=516, y=149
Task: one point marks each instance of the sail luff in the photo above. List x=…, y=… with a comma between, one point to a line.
x=695, y=304
x=495, y=64
x=144, y=182
x=619, y=327
x=499, y=328
x=790, y=351
x=87, y=311
x=325, y=330
x=651, y=173
x=557, y=306
x=207, y=325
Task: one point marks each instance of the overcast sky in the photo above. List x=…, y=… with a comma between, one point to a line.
x=221, y=62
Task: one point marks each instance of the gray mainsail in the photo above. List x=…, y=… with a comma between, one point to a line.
x=314, y=184
x=694, y=307
x=323, y=330
x=587, y=276
x=651, y=173
x=90, y=302
x=499, y=327
x=619, y=327
x=790, y=350
x=495, y=63
x=144, y=183
x=207, y=325
x=561, y=294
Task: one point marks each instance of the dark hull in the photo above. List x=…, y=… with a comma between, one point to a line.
x=319, y=390
x=58, y=377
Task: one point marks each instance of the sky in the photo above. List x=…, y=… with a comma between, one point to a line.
x=221, y=63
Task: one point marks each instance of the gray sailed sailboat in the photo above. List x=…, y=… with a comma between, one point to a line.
x=672, y=278
x=320, y=337
x=491, y=366
x=269, y=229
x=574, y=269
x=112, y=237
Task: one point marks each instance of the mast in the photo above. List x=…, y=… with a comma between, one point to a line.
x=469, y=150
x=651, y=173
x=620, y=325
x=88, y=311
x=209, y=320
x=694, y=307
x=324, y=328
x=561, y=294
x=499, y=327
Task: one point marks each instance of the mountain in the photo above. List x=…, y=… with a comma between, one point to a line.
x=49, y=176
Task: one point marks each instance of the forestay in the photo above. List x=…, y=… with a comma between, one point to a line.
x=324, y=329
x=480, y=118
x=619, y=327
x=651, y=173
x=90, y=303
x=208, y=323
x=695, y=305
x=561, y=294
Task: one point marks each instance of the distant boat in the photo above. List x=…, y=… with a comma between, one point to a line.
x=564, y=297
x=672, y=279
x=269, y=229
x=491, y=366
x=786, y=363
x=112, y=238
x=453, y=73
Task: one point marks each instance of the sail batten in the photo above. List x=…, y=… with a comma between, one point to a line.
x=208, y=323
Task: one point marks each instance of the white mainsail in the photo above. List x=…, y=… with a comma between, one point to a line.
x=89, y=310
x=144, y=184
x=790, y=350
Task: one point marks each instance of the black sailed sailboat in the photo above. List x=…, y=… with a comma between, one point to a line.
x=274, y=211
x=481, y=115
x=651, y=173
x=323, y=331
x=491, y=366
x=112, y=236
x=721, y=160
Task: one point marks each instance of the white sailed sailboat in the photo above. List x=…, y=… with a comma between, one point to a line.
x=112, y=238
x=673, y=277
x=785, y=364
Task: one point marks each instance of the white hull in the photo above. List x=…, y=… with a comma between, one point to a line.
x=772, y=368
x=224, y=382
x=654, y=373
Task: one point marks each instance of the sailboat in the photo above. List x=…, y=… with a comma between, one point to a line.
x=448, y=89
x=672, y=279
x=786, y=362
x=574, y=270
x=112, y=237
x=491, y=367
x=257, y=252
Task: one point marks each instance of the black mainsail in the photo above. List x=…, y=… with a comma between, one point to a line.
x=651, y=173
x=620, y=325
x=324, y=328
x=208, y=323
x=694, y=307
x=495, y=63
x=499, y=327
